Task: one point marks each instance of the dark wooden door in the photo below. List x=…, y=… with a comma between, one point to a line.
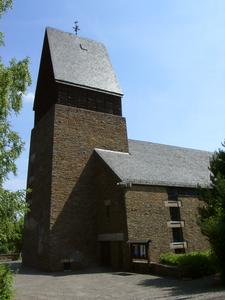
x=105, y=254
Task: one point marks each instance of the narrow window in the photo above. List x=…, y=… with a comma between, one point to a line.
x=175, y=213
x=172, y=195
x=177, y=235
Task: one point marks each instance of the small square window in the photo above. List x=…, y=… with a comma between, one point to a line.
x=139, y=250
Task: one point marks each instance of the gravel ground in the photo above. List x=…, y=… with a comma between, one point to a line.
x=102, y=284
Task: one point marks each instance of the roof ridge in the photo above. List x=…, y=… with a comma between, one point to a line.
x=75, y=36
x=172, y=146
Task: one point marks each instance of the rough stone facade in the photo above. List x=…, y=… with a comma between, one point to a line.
x=70, y=213
x=81, y=213
x=147, y=218
x=82, y=207
x=111, y=217
x=140, y=213
x=72, y=218
x=196, y=241
x=36, y=231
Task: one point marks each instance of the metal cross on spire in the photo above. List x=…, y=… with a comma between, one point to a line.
x=76, y=28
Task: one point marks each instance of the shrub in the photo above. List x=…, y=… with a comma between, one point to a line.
x=6, y=283
x=193, y=264
x=170, y=258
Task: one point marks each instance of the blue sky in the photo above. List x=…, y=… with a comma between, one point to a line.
x=169, y=57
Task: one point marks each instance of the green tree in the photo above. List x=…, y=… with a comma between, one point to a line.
x=213, y=214
x=14, y=80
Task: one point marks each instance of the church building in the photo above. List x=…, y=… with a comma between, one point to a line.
x=97, y=197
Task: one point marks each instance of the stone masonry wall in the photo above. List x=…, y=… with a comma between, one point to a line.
x=110, y=201
x=36, y=231
x=111, y=213
x=191, y=231
x=72, y=222
x=147, y=216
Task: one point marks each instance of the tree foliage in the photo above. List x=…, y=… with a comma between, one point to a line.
x=12, y=209
x=213, y=214
x=14, y=80
x=4, y=5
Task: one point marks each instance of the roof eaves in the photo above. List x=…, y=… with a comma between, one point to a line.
x=163, y=183
x=87, y=87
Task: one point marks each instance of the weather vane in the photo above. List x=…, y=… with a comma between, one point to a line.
x=76, y=28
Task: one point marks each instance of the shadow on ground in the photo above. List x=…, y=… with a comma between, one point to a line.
x=182, y=288
x=185, y=287
x=16, y=266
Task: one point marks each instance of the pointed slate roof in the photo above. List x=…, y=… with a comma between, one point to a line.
x=157, y=164
x=81, y=62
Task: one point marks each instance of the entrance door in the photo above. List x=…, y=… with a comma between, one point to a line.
x=119, y=255
x=105, y=254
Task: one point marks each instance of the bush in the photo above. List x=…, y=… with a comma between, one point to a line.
x=170, y=258
x=193, y=264
x=6, y=283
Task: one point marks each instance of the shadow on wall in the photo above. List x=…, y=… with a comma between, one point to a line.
x=73, y=235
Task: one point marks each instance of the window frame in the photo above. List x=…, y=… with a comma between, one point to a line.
x=142, y=250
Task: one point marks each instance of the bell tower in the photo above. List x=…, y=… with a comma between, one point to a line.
x=77, y=108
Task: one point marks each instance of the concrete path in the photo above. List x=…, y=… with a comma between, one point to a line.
x=101, y=284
